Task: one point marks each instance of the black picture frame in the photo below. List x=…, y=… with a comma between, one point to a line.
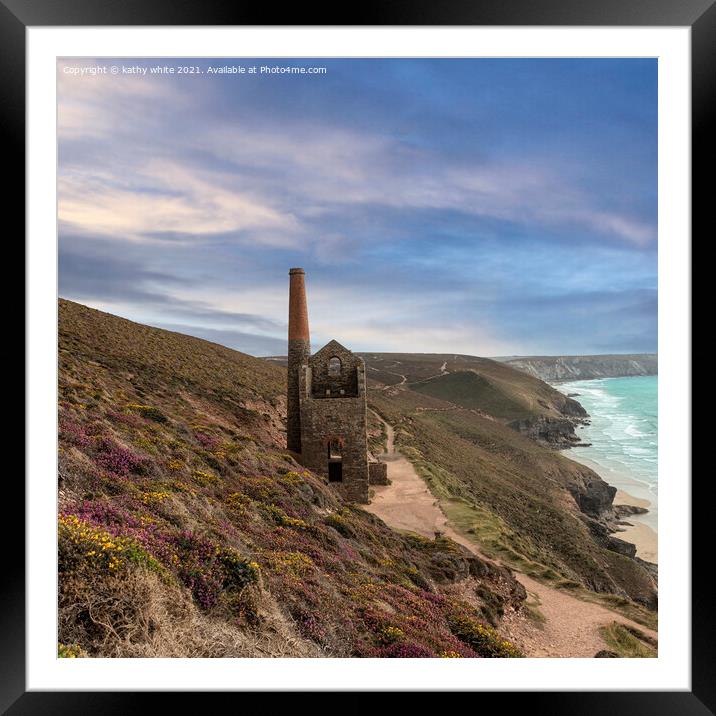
x=699, y=15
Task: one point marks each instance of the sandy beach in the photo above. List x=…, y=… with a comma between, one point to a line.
x=639, y=534
x=643, y=530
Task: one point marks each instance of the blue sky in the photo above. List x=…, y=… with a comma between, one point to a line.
x=490, y=207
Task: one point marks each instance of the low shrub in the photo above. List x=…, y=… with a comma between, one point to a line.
x=84, y=546
x=628, y=642
x=390, y=635
x=70, y=651
x=482, y=638
x=204, y=478
x=404, y=651
x=208, y=569
x=281, y=518
x=340, y=524
x=119, y=459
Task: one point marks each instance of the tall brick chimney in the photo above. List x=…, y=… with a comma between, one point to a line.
x=299, y=351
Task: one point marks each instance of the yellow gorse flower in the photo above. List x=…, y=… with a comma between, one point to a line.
x=100, y=548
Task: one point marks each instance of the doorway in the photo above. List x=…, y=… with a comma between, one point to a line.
x=335, y=471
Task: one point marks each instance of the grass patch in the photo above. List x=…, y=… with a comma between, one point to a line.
x=629, y=643
x=620, y=605
x=471, y=390
x=532, y=610
x=495, y=539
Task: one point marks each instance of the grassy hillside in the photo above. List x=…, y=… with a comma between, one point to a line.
x=472, y=390
x=185, y=528
x=472, y=382
x=523, y=503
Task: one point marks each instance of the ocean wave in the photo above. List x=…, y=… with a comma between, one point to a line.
x=623, y=429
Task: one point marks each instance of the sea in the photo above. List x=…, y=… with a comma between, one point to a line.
x=623, y=433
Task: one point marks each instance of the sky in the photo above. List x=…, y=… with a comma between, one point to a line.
x=490, y=207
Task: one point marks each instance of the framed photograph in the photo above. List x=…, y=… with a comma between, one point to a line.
x=362, y=354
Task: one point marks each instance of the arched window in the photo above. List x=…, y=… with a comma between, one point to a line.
x=334, y=449
x=334, y=366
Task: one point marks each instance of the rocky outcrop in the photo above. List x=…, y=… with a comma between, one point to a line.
x=593, y=496
x=554, y=432
x=550, y=432
x=573, y=409
x=621, y=547
x=562, y=368
x=622, y=511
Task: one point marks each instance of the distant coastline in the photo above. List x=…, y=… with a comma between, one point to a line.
x=560, y=369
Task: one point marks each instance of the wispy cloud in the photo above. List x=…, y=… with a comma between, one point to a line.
x=98, y=106
x=110, y=279
x=166, y=196
x=321, y=171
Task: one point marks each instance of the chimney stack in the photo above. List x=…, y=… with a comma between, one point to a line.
x=299, y=351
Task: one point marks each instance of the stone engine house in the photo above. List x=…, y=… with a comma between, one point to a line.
x=327, y=407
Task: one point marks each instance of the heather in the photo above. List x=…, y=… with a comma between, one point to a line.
x=185, y=528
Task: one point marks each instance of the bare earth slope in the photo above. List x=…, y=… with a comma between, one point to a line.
x=185, y=528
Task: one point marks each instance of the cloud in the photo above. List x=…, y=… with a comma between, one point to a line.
x=111, y=280
x=100, y=106
x=162, y=196
x=451, y=337
x=638, y=233
x=273, y=182
x=350, y=168
x=575, y=322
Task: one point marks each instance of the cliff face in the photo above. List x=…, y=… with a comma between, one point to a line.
x=555, y=433
x=564, y=368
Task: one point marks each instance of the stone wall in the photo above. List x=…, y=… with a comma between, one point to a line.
x=345, y=383
x=336, y=419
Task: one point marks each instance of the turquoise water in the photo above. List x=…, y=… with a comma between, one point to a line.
x=623, y=432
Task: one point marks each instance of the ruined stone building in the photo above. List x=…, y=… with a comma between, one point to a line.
x=327, y=408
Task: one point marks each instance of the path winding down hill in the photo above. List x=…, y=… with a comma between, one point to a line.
x=571, y=626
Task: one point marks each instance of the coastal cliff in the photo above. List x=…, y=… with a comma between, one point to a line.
x=563, y=368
